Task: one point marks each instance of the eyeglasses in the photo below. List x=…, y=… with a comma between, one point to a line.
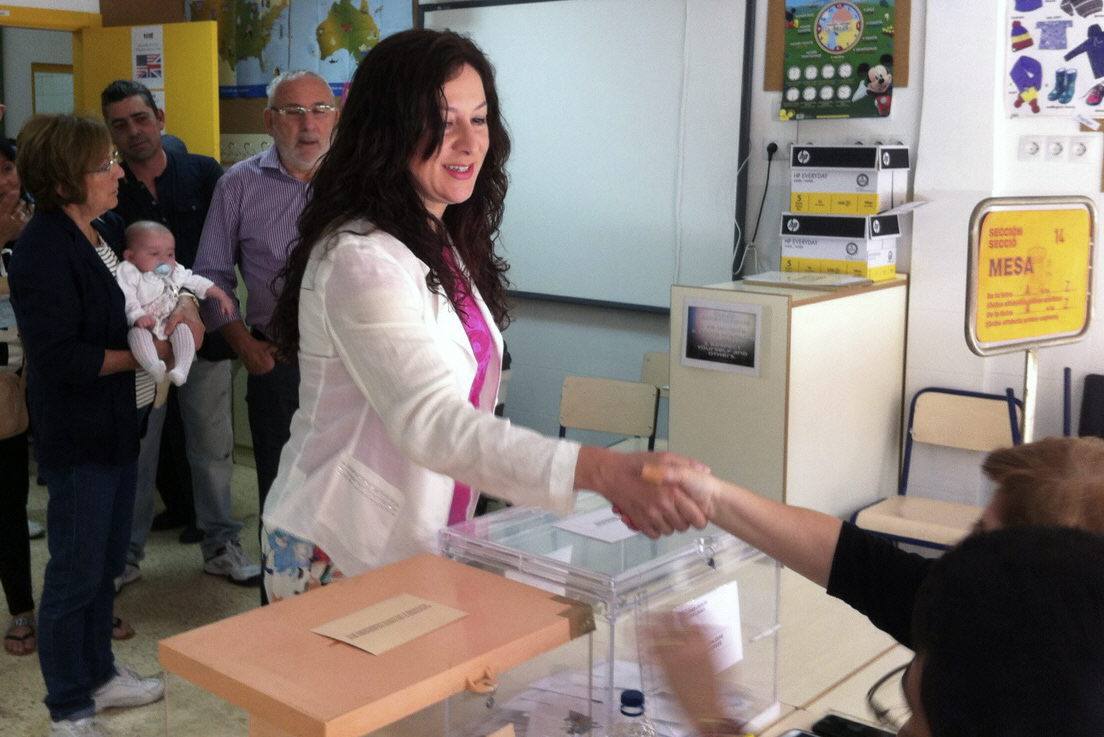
x=298, y=112
x=105, y=167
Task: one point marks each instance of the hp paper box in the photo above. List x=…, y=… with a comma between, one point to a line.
x=847, y=180
x=841, y=244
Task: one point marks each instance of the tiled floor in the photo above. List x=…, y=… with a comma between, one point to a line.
x=173, y=595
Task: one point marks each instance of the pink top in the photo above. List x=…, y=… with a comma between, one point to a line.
x=482, y=345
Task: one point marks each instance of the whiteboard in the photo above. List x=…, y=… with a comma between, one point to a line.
x=624, y=118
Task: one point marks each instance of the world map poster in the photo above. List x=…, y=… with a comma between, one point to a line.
x=258, y=39
x=838, y=59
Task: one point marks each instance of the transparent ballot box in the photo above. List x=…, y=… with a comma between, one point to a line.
x=628, y=581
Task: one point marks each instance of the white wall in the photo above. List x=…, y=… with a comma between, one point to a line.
x=22, y=47
x=964, y=149
x=549, y=340
x=968, y=151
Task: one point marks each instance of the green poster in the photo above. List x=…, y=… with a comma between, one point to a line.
x=838, y=59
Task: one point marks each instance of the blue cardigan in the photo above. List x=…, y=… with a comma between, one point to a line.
x=69, y=310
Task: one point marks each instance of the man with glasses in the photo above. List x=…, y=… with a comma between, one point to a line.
x=173, y=187
x=252, y=223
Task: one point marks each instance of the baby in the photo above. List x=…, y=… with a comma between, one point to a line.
x=151, y=281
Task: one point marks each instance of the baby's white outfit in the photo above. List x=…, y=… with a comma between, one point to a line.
x=149, y=293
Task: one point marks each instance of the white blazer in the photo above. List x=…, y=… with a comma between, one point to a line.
x=384, y=424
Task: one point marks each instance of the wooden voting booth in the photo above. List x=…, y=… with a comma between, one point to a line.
x=295, y=683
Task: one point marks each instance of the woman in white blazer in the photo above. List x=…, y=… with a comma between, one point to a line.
x=392, y=300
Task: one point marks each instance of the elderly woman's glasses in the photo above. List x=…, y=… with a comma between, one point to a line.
x=298, y=112
x=107, y=166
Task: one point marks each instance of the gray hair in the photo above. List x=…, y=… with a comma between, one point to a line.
x=291, y=76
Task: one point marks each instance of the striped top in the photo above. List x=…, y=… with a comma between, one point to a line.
x=252, y=222
x=144, y=387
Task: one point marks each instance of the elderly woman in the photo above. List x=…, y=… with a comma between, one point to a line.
x=393, y=300
x=81, y=396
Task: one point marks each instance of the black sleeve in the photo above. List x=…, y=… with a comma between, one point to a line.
x=878, y=580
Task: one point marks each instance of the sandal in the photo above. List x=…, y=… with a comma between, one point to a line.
x=120, y=630
x=20, y=644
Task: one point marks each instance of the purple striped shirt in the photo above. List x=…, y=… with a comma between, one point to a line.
x=252, y=221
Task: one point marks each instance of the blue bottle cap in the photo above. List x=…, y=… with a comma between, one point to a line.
x=632, y=698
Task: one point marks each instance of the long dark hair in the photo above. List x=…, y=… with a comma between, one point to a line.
x=393, y=107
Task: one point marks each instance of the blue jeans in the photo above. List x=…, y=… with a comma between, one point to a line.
x=88, y=518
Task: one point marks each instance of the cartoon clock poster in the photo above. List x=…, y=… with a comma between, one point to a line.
x=838, y=59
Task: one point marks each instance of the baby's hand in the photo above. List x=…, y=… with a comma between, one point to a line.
x=226, y=305
x=145, y=321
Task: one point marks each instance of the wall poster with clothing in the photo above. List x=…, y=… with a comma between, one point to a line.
x=1054, y=57
x=838, y=59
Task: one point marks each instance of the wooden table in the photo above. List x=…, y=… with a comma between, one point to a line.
x=293, y=682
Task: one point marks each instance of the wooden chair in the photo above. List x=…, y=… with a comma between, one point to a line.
x=609, y=405
x=952, y=418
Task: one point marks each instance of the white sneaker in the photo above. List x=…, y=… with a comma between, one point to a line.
x=87, y=727
x=130, y=574
x=127, y=688
x=232, y=562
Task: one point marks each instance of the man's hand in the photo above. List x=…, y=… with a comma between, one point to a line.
x=186, y=312
x=654, y=509
x=258, y=356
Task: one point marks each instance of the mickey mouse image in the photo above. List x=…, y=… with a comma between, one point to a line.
x=878, y=83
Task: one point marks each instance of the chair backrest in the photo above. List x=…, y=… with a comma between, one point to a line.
x=656, y=369
x=957, y=418
x=609, y=405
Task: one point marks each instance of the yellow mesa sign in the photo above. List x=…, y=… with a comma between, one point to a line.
x=1029, y=272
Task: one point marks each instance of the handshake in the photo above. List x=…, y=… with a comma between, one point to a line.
x=655, y=493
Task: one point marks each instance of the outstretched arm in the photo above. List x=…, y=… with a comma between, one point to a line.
x=799, y=538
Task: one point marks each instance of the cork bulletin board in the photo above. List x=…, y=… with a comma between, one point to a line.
x=776, y=36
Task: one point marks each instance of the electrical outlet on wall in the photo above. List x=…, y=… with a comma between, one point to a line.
x=1055, y=148
x=1031, y=148
x=783, y=151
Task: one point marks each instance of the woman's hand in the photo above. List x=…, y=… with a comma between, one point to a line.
x=699, y=484
x=14, y=214
x=654, y=509
x=683, y=650
x=186, y=312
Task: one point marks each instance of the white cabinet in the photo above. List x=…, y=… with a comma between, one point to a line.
x=819, y=425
